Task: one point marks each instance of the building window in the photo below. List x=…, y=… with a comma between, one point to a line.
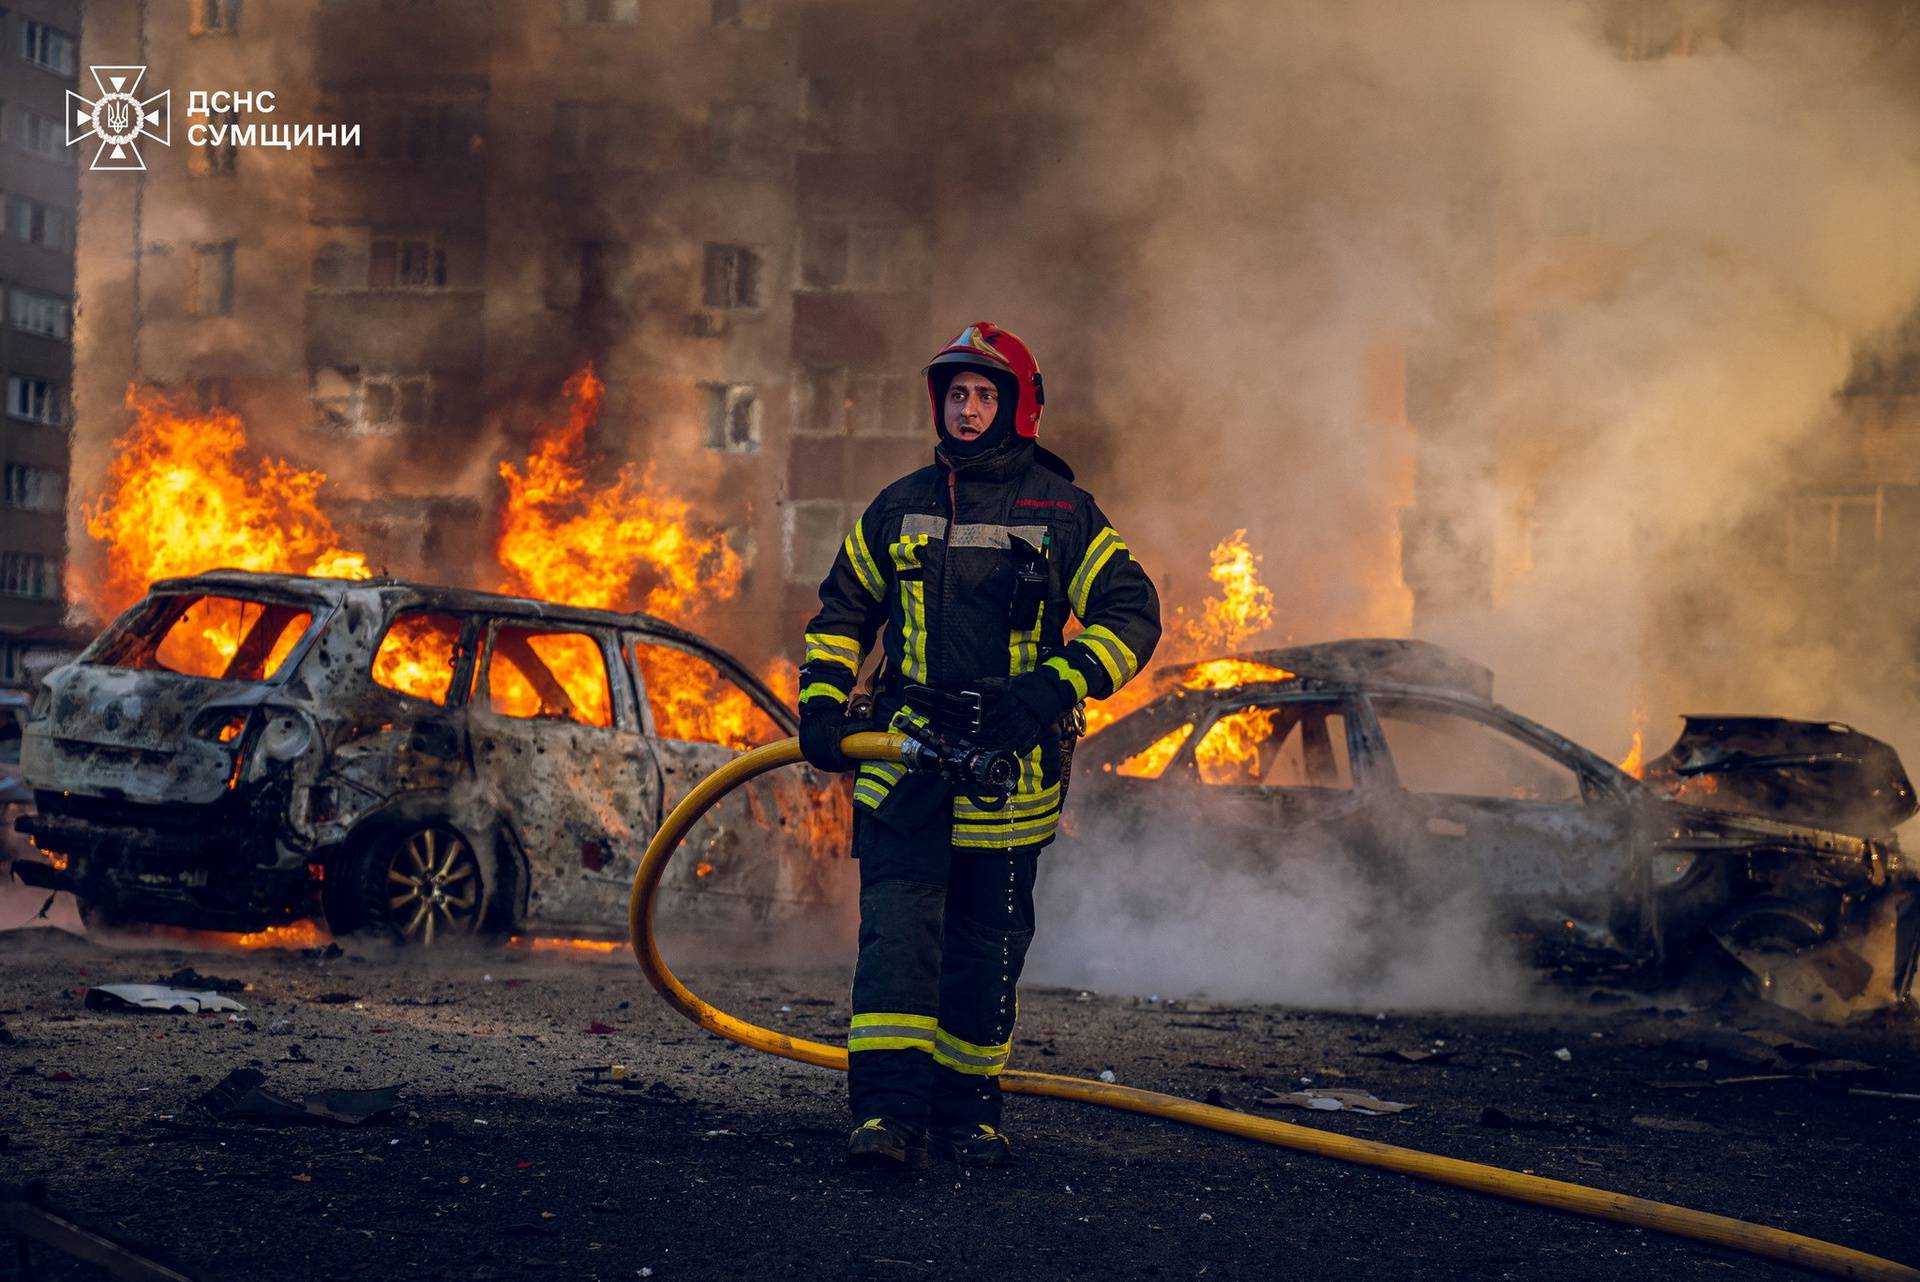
x=41, y=136
x=741, y=137
x=351, y=402
x=210, y=158
x=1836, y=531
x=623, y=12
x=34, y=489
x=836, y=116
x=39, y=224
x=215, y=17
x=48, y=48
x=732, y=277
x=26, y=574
x=862, y=256
x=213, y=279
x=48, y=315
x=405, y=262
x=733, y=418
x=602, y=135
x=37, y=400
x=815, y=530
x=837, y=401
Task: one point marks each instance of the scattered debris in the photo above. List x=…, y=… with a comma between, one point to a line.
x=1688, y=1124
x=1417, y=1055
x=156, y=997
x=242, y=1096
x=1332, y=1101
x=1503, y=1120
x=1106, y=1075
x=598, y=1029
x=1563, y=1055
x=332, y=999
x=188, y=977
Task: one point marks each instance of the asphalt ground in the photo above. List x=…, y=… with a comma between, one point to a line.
x=510, y=1158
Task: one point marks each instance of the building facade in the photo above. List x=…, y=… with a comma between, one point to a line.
x=39, y=63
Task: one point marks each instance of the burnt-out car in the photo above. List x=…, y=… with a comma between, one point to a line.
x=16, y=798
x=241, y=750
x=1770, y=840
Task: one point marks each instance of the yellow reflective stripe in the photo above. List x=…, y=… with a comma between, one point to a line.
x=875, y=780
x=866, y=1019
x=1026, y=827
x=1069, y=674
x=1004, y=839
x=1080, y=587
x=913, y=630
x=826, y=647
x=1112, y=652
x=1016, y=807
x=823, y=690
x=863, y=564
x=886, y=1030
x=993, y=1050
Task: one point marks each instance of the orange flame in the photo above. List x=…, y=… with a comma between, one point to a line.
x=603, y=546
x=1240, y=609
x=1635, y=762
x=184, y=495
x=545, y=944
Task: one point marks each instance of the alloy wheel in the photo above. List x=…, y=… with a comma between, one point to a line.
x=433, y=886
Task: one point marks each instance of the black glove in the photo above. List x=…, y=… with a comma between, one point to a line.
x=1025, y=714
x=823, y=724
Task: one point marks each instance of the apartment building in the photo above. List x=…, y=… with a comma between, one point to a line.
x=699, y=197
x=39, y=62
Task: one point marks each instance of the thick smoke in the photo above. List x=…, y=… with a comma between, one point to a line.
x=1300, y=922
x=1618, y=257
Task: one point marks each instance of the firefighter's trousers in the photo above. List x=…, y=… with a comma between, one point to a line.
x=943, y=936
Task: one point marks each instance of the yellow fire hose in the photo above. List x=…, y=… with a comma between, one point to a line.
x=1678, y=1221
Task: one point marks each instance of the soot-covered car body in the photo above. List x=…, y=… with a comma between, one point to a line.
x=241, y=750
x=1770, y=838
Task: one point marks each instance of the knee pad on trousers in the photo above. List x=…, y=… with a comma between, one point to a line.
x=900, y=946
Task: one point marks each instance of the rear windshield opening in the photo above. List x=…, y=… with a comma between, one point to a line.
x=223, y=637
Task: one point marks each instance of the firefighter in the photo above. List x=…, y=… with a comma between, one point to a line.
x=972, y=564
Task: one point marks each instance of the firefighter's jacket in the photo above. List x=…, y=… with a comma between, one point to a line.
x=973, y=566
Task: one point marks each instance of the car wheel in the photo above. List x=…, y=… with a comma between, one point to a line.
x=420, y=884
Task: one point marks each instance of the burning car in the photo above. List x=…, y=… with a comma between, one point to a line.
x=1770, y=840
x=241, y=750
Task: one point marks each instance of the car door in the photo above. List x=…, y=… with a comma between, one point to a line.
x=557, y=742
x=770, y=846
x=1474, y=803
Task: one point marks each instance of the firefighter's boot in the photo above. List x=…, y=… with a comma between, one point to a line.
x=879, y=1144
x=976, y=1145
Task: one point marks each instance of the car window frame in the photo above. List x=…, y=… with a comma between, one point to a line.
x=622, y=719
x=1563, y=753
x=756, y=690
x=1186, y=761
x=465, y=660
x=122, y=631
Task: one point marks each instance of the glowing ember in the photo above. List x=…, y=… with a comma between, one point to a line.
x=702, y=870
x=185, y=495
x=540, y=944
x=305, y=933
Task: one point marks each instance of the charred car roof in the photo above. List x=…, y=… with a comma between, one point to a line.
x=337, y=591
x=1368, y=661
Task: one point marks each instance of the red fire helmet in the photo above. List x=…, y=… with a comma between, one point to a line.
x=984, y=345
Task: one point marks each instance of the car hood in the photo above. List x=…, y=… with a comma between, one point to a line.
x=1818, y=773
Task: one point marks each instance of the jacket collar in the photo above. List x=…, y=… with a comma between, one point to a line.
x=1005, y=463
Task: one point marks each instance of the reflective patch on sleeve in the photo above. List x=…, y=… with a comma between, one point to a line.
x=1112, y=652
x=823, y=690
x=864, y=567
x=830, y=647
x=1099, y=552
x=1069, y=674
